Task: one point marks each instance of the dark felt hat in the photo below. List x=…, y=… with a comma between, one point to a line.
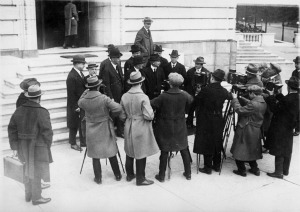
x=158, y=48
x=154, y=57
x=199, y=60
x=24, y=85
x=135, y=48
x=110, y=47
x=276, y=67
x=115, y=53
x=174, y=53
x=93, y=81
x=251, y=69
x=219, y=74
x=293, y=82
x=297, y=59
x=138, y=60
x=79, y=58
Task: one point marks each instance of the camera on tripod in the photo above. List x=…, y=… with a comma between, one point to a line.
x=237, y=80
x=201, y=79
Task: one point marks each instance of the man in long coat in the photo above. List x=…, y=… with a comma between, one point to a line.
x=75, y=88
x=246, y=146
x=210, y=122
x=139, y=138
x=163, y=61
x=24, y=85
x=71, y=21
x=144, y=39
x=137, y=65
x=100, y=135
x=107, y=61
x=170, y=128
x=135, y=51
x=30, y=134
x=296, y=73
x=280, y=136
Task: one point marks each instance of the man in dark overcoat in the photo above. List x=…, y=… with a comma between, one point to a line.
x=296, y=73
x=75, y=87
x=170, y=129
x=154, y=77
x=24, y=85
x=107, y=61
x=30, y=134
x=113, y=79
x=71, y=21
x=134, y=63
x=163, y=61
x=191, y=85
x=210, y=122
x=280, y=135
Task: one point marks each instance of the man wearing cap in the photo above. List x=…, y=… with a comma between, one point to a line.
x=135, y=51
x=175, y=67
x=246, y=146
x=139, y=137
x=280, y=135
x=191, y=85
x=252, y=78
x=75, y=88
x=24, y=85
x=210, y=122
x=163, y=61
x=100, y=135
x=30, y=134
x=154, y=77
x=113, y=79
x=296, y=73
x=107, y=61
x=137, y=65
x=144, y=39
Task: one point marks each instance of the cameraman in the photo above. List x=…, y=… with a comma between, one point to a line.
x=192, y=83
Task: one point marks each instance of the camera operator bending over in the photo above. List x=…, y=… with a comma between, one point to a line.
x=246, y=146
x=210, y=122
x=272, y=75
x=252, y=78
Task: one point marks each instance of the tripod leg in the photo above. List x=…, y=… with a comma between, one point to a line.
x=83, y=160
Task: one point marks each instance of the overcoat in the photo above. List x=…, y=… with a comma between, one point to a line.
x=75, y=88
x=209, y=119
x=144, y=40
x=153, y=81
x=190, y=84
x=163, y=63
x=100, y=133
x=21, y=99
x=179, y=68
x=103, y=64
x=296, y=73
x=285, y=112
x=170, y=128
x=127, y=71
x=246, y=144
x=30, y=133
x=138, y=132
x=71, y=19
x=113, y=80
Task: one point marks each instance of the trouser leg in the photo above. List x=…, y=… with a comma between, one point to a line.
x=28, y=187
x=186, y=161
x=115, y=165
x=97, y=168
x=279, y=164
x=190, y=117
x=72, y=135
x=217, y=159
x=36, y=187
x=129, y=165
x=163, y=159
x=140, y=169
x=241, y=165
x=207, y=161
x=286, y=164
x=253, y=165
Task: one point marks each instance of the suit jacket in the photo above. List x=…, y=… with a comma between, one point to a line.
x=75, y=88
x=144, y=41
x=103, y=64
x=153, y=81
x=296, y=73
x=179, y=68
x=190, y=84
x=113, y=80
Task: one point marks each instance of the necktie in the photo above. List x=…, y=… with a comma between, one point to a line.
x=154, y=70
x=81, y=74
x=173, y=65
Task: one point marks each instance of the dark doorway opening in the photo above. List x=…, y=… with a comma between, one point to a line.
x=51, y=25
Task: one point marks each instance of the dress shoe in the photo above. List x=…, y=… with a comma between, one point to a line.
x=205, y=170
x=187, y=176
x=83, y=145
x=255, y=172
x=65, y=46
x=74, y=46
x=159, y=178
x=130, y=177
x=144, y=183
x=44, y=186
x=76, y=147
x=98, y=180
x=241, y=173
x=42, y=200
x=285, y=173
x=118, y=177
x=216, y=168
x=274, y=174
x=28, y=197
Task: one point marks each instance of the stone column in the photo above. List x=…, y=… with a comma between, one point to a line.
x=297, y=40
x=267, y=39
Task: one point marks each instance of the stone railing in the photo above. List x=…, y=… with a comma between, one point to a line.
x=259, y=39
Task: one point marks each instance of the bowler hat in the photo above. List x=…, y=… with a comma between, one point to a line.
x=24, y=85
x=297, y=59
x=135, y=78
x=174, y=53
x=147, y=20
x=92, y=65
x=276, y=67
x=93, y=81
x=154, y=57
x=138, y=60
x=135, y=48
x=34, y=91
x=251, y=69
x=110, y=47
x=293, y=82
x=158, y=48
x=199, y=60
x=219, y=74
x=115, y=53
x=79, y=58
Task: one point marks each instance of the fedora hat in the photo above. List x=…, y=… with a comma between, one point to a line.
x=115, y=53
x=138, y=60
x=135, y=48
x=174, y=53
x=26, y=83
x=34, y=91
x=135, y=78
x=147, y=20
x=158, y=48
x=92, y=65
x=199, y=60
x=93, y=81
x=110, y=47
x=79, y=58
x=293, y=82
x=154, y=57
x=276, y=67
x=219, y=74
x=251, y=69
x=297, y=59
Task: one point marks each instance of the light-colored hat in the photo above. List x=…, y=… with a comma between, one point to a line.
x=34, y=91
x=147, y=20
x=251, y=69
x=93, y=81
x=175, y=79
x=135, y=78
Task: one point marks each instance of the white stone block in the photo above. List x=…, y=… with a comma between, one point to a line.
x=9, y=12
x=9, y=27
x=9, y=42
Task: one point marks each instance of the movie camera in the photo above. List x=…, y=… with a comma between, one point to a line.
x=270, y=83
x=237, y=80
x=201, y=79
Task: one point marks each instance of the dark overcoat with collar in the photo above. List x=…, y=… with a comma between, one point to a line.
x=179, y=68
x=190, y=84
x=75, y=88
x=144, y=41
x=296, y=73
x=153, y=81
x=103, y=65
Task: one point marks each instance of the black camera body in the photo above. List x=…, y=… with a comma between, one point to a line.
x=235, y=78
x=201, y=79
x=271, y=85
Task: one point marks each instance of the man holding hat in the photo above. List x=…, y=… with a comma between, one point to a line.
x=113, y=79
x=144, y=39
x=154, y=77
x=191, y=85
x=280, y=135
x=24, y=85
x=137, y=65
x=100, y=135
x=296, y=73
x=75, y=88
x=210, y=122
x=139, y=138
x=107, y=60
x=30, y=134
x=136, y=51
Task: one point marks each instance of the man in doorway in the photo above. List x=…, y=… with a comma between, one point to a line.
x=71, y=21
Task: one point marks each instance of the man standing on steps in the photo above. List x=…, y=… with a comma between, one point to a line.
x=71, y=20
x=75, y=88
x=107, y=61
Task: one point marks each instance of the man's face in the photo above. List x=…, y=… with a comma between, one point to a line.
x=147, y=25
x=251, y=95
x=92, y=71
x=156, y=63
x=297, y=66
x=198, y=65
x=174, y=59
x=159, y=53
x=80, y=66
x=115, y=60
x=134, y=54
x=139, y=66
